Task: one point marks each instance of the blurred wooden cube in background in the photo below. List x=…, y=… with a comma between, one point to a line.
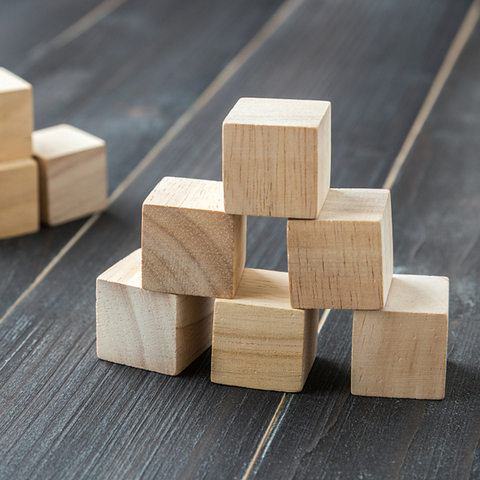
x=73, y=173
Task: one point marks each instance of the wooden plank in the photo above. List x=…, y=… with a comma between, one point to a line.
x=128, y=91
x=436, y=231
x=26, y=26
x=68, y=413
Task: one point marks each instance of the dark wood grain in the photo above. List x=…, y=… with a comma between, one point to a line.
x=27, y=27
x=127, y=80
x=69, y=414
x=436, y=210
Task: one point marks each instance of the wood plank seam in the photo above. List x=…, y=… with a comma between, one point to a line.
x=77, y=29
x=270, y=27
x=464, y=32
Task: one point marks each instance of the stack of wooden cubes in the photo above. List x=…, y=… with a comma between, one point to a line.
x=157, y=308
x=54, y=175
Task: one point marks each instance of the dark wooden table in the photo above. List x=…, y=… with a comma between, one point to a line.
x=155, y=80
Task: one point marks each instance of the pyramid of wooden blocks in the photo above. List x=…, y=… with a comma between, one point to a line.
x=190, y=246
x=344, y=258
x=401, y=350
x=155, y=307
x=155, y=331
x=19, y=206
x=73, y=173
x=259, y=340
x=16, y=117
x=276, y=157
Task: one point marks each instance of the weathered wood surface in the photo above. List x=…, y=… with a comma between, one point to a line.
x=126, y=80
x=436, y=206
x=28, y=27
x=69, y=414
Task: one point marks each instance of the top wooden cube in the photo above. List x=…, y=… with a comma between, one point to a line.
x=276, y=157
x=16, y=117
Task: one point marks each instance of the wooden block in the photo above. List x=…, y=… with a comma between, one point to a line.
x=401, y=351
x=16, y=117
x=344, y=258
x=19, y=198
x=155, y=331
x=276, y=157
x=190, y=245
x=259, y=341
x=73, y=173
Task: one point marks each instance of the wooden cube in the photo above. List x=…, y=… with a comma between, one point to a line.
x=276, y=157
x=73, y=173
x=19, y=198
x=190, y=246
x=259, y=341
x=344, y=258
x=401, y=351
x=16, y=117
x=155, y=331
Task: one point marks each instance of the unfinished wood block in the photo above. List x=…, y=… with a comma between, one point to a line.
x=401, y=351
x=73, y=173
x=344, y=258
x=16, y=117
x=276, y=157
x=259, y=341
x=190, y=246
x=19, y=198
x=155, y=331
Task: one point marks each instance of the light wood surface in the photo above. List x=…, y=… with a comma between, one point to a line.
x=155, y=331
x=16, y=117
x=190, y=246
x=19, y=198
x=344, y=258
x=401, y=351
x=73, y=173
x=259, y=341
x=276, y=157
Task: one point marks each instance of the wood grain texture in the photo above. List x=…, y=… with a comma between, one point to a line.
x=16, y=117
x=155, y=331
x=435, y=215
x=401, y=350
x=190, y=246
x=259, y=341
x=19, y=198
x=277, y=157
x=344, y=258
x=68, y=414
x=40, y=23
x=73, y=173
x=129, y=91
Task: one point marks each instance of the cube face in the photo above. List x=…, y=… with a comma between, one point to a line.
x=401, y=351
x=258, y=340
x=190, y=246
x=344, y=258
x=277, y=157
x=16, y=117
x=19, y=198
x=154, y=331
x=73, y=173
